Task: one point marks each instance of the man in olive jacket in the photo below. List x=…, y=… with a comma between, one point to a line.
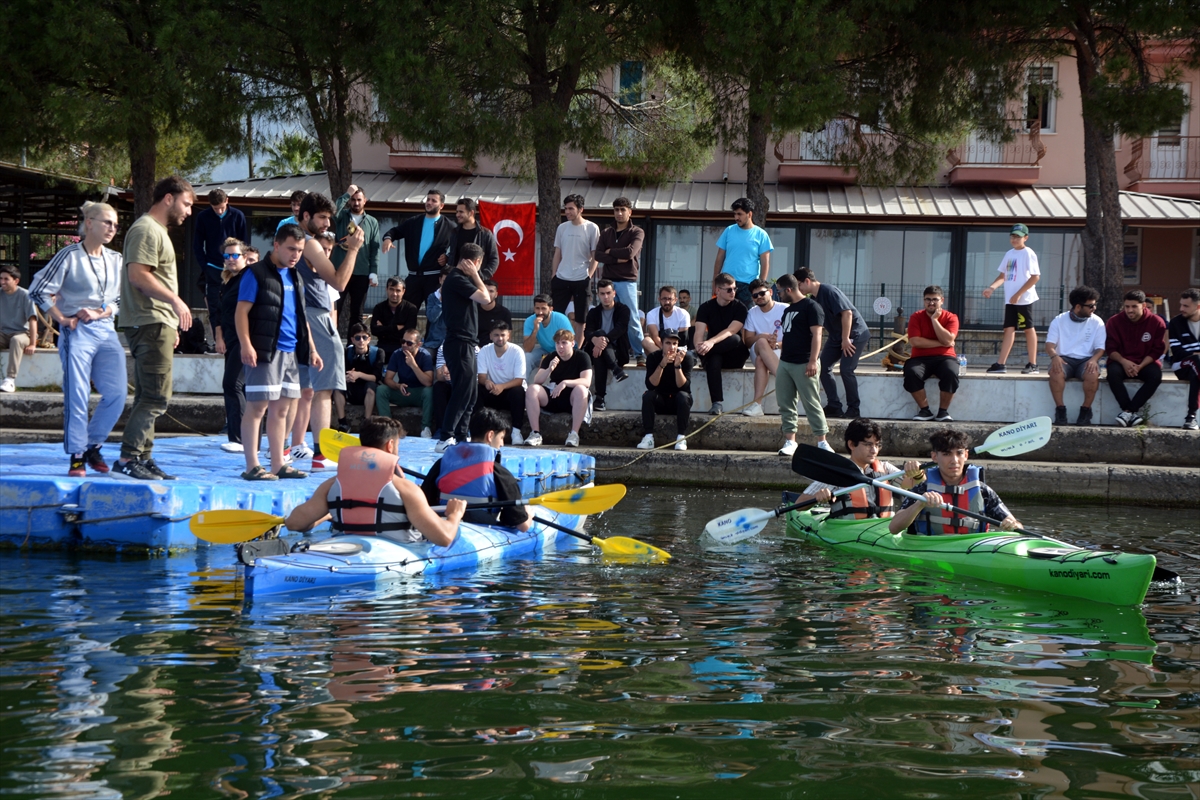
x=351, y=207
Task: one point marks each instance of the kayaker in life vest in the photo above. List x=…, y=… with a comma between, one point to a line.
x=957, y=483
x=472, y=471
x=864, y=438
x=369, y=496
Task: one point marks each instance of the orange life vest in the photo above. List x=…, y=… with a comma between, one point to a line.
x=363, y=499
x=866, y=501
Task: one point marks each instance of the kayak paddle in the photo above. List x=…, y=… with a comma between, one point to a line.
x=1020, y=437
x=613, y=545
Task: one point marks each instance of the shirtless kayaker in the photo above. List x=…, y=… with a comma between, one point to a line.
x=370, y=496
x=864, y=438
x=952, y=480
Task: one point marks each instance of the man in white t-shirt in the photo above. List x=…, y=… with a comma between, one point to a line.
x=667, y=316
x=762, y=335
x=1075, y=343
x=1019, y=273
x=574, y=260
x=501, y=370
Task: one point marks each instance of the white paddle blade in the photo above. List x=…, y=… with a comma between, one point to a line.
x=1022, y=437
x=738, y=525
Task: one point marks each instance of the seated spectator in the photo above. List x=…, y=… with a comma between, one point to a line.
x=606, y=339
x=931, y=333
x=540, y=329
x=559, y=386
x=391, y=318
x=718, y=338
x=18, y=323
x=668, y=389
x=1136, y=340
x=1075, y=343
x=435, y=326
x=685, y=305
x=501, y=368
x=667, y=315
x=762, y=335
x=1184, y=332
x=365, y=367
x=497, y=313
x=407, y=382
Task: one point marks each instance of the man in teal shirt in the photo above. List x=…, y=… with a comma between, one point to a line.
x=540, y=328
x=743, y=250
x=351, y=207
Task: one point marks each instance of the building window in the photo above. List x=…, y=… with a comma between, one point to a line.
x=1059, y=260
x=1133, y=255
x=684, y=255
x=1040, y=101
x=631, y=85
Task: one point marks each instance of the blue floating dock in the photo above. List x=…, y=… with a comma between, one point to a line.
x=41, y=507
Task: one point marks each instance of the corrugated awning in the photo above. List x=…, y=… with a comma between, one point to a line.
x=1038, y=204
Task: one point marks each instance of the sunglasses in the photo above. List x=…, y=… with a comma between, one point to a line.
x=1087, y=305
x=407, y=343
x=231, y=256
x=362, y=338
x=757, y=295
x=726, y=288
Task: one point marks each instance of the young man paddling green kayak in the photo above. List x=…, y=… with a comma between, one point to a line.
x=864, y=438
x=955, y=482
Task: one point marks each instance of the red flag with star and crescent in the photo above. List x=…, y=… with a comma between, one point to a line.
x=515, y=227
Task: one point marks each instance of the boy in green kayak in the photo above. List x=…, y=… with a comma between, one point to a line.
x=955, y=482
x=864, y=438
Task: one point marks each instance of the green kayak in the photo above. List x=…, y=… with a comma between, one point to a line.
x=1027, y=562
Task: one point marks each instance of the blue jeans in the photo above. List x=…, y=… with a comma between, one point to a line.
x=627, y=294
x=91, y=353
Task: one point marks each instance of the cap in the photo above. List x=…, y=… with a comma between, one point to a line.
x=1020, y=229
x=671, y=333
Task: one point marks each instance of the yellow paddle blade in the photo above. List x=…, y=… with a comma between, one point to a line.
x=334, y=442
x=230, y=526
x=587, y=500
x=625, y=546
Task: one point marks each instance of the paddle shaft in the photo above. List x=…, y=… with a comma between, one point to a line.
x=569, y=531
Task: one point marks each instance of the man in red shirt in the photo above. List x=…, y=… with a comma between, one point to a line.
x=931, y=334
x=1136, y=341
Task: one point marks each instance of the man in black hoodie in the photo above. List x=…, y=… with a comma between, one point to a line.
x=426, y=240
x=469, y=231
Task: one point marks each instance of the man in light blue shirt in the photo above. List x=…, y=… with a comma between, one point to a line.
x=540, y=328
x=744, y=250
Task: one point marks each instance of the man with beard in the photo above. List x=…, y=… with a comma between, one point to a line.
x=151, y=313
x=351, y=209
x=469, y=231
x=426, y=240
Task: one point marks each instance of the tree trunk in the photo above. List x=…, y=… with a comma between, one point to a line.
x=143, y=160
x=549, y=210
x=250, y=144
x=757, y=125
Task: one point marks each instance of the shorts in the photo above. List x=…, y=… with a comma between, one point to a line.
x=564, y=292
x=1019, y=317
x=331, y=350
x=278, y=377
x=1073, y=367
x=559, y=405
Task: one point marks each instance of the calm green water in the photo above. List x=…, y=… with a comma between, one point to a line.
x=773, y=670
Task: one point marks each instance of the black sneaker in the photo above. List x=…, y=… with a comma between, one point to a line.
x=134, y=469
x=997, y=369
x=1060, y=415
x=76, y=470
x=619, y=376
x=852, y=413
x=94, y=460
x=832, y=411
x=1085, y=416
x=1030, y=369
x=1190, y=424
x=158, y=473
x=924, y=415
x=943, y=416
x=343, y=425
x=599, y=404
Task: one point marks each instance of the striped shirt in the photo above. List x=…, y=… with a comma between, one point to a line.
x=79, y=280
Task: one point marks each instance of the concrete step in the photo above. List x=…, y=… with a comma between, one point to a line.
x=1149, y=446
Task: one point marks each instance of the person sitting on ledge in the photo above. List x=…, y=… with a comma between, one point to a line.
x=864, y=438
x=385, y=502
x=560, y=385
x=954, y=482
x=1184, y=332
x=606, y=338
x=718, y=337
x=931, y=333
x=1075, y=343
x=1136, y=341
x=668, y=389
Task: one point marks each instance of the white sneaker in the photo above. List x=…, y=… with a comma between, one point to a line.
x=753, y=410
x=426, y=433
x=572, y=439
x=444, y=445
x=516, y=437
x=8, y=385
x=233, y=447
x=300, y=452
x=824, y=445
x=788, y=449
x=534, y=439
x=647, y=442
x=681, y=443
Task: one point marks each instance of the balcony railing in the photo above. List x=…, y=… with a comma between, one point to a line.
x=1166, y=159
x=811, y=156
x=1026, y=150
x=406, y=156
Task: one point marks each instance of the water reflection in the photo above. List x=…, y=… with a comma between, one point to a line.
x=774, y=666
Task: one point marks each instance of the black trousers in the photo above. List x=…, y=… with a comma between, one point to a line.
x=511, y=400
x=212, y=297
x=920, y=369
x=355, y=295
x=729, y=353
x=831, y=354
x=418, y=287
x=607, y=362
x=1189, y=372
x=464, y=388
x=655, y=402
x=1150, y=376
x=233, y=384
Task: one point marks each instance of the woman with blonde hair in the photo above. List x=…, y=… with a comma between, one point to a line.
x=80, y=289
x=233, y=384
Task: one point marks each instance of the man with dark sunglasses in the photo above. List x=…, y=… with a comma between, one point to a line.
x=365, y=365
x=718, y=339
x=763, y=336
x=1075, y=344
x=408, y=381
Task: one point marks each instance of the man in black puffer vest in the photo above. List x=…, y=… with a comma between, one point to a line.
x=274, y=337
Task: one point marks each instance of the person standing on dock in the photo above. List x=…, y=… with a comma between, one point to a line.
x=80, y=289
x=213, y=225
x=849, y=337
x=1019, y=275
x=462, y=293
x=1184, y=333
x=796, y=381
x=152, y=312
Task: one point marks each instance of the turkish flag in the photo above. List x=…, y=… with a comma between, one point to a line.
x=515, y=227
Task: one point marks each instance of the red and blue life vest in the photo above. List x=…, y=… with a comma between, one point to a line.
x=468, y=472
x=966, y=495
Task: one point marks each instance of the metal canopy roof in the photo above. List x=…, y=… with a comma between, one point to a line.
x=1045, y=204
